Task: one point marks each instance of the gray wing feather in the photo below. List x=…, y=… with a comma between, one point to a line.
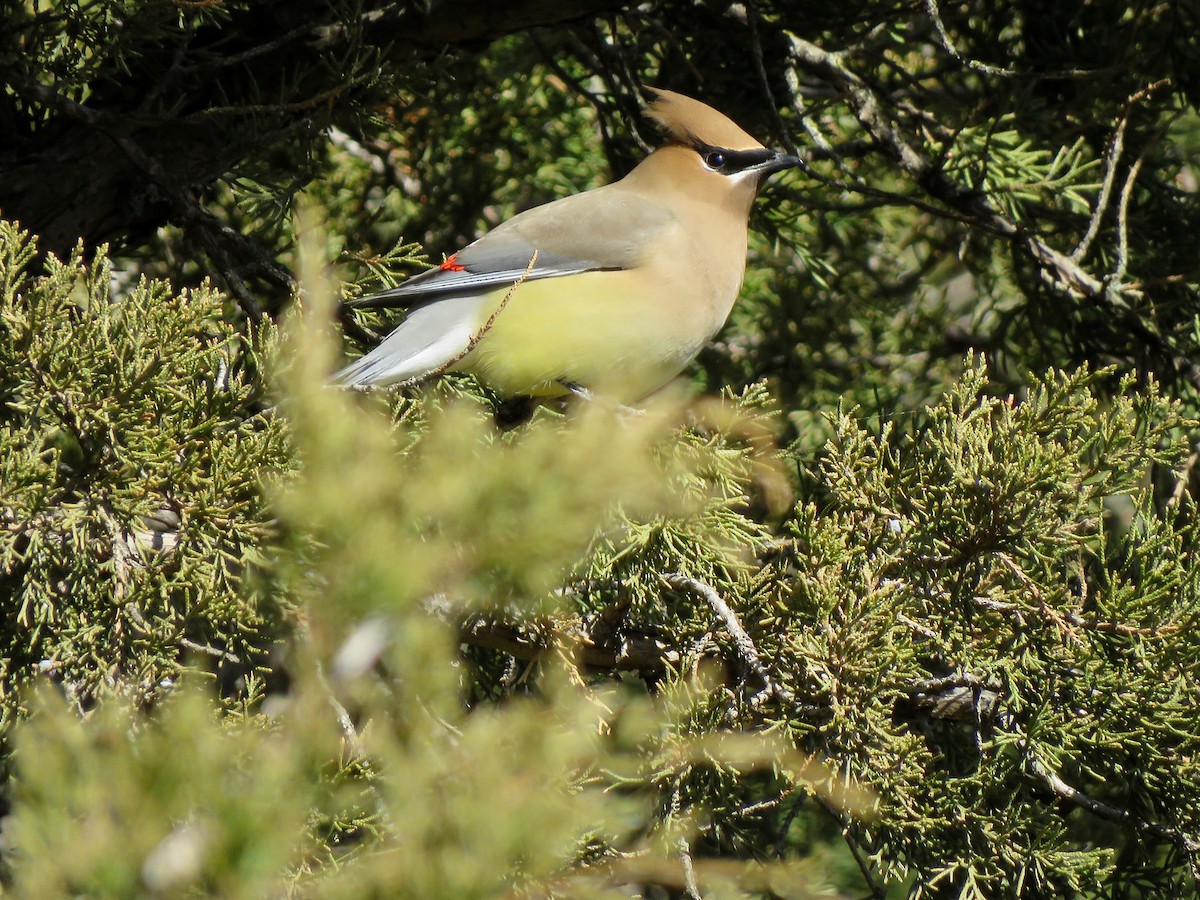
x=600, y=230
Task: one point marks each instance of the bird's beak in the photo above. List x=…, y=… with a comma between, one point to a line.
x=777, y=163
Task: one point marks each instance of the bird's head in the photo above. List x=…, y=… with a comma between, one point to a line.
x=716, y=151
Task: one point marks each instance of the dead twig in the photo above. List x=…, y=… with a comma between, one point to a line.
x=487, y=326
x=1184, y=478
x=628, y=653
x=691, y=889
x=931, y=8
x=1058, y=270
x=1111, y=813
x=1116, y=283
x=1112, y=158
x=747, y=652
x=764, y=81
x=214, y=652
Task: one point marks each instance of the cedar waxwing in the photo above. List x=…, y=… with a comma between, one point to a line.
x=612, y=291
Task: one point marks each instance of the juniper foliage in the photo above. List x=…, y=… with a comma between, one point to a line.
x=897, y=597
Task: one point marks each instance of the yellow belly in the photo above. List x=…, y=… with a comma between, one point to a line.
x=614, y=333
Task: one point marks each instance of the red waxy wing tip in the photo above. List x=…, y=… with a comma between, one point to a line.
x=450, y=264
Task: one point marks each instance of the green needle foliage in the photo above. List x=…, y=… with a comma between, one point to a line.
x=981, y=544
x=958, y=623
x=894, y=595
x=130, y=481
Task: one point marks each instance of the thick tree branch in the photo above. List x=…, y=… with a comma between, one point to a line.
x=219, y=240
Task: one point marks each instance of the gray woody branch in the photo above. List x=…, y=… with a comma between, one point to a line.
x=958, y=697
x=1061, y=271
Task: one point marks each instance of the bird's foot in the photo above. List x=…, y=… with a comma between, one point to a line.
x=591, y=397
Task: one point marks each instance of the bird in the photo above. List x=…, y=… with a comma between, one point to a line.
x=610, y=292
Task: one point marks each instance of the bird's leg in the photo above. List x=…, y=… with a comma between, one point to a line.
x=514, y=412
x=585, y=394
x=578, y=390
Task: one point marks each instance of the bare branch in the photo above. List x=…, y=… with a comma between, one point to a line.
x=745, y=645
x=1187, y=843
x=931, y=8
x=1184, y=477
x=428, y=29
x=636, y=653
x=1059, y=271
x=710, y=596
x=987, y=706
x=957, y=697
x=764, y=82
x=1118, y=276
x=691, y=890
x=877, y=888
x=1111, y=159
x=214, y=652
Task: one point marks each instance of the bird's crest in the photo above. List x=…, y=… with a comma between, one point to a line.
x=692, y=122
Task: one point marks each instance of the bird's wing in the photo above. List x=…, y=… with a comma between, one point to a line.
x=603, y=229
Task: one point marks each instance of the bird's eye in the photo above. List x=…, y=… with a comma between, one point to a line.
x=715, y=159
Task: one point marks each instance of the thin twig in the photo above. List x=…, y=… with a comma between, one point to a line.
x=550, y=59
x=1111, y=159
x=487, y=326
x=215, y=652
x=1118, y=276
x=1035, y=593
x=471, y=344
x=786, y=825
x=927, y=633
x=211, y=112
x=123, y=559
x=764, y=805
x=627, y=72
x=1058, y=270
x=741, y=639
x=349, y=732
x=868, y=108
x=629, y=653
x=765, y=82
x=1181, y=483
x=690, y=888
x=948, y=45
x=877, y=889
x=1069, y=619
x=207, y=228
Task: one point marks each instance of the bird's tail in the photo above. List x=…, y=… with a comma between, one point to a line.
x=431, y=337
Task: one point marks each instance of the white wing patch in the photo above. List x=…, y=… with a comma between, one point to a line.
x=429, y=338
